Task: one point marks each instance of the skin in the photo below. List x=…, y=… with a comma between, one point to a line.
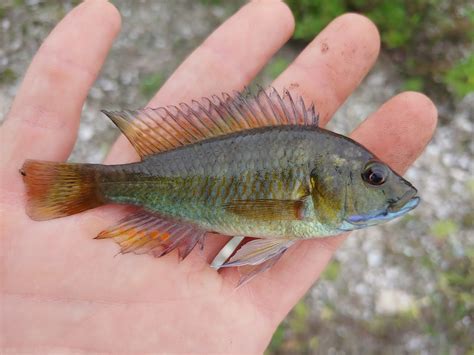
x=62, y=291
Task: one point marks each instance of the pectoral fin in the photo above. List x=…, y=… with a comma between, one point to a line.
x=267, y=210
x=257, y=251
x=248, y=272
x=257, y=256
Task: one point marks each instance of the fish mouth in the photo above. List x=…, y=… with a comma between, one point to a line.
x=399, y=209
x=397, y=205
x=395, y=209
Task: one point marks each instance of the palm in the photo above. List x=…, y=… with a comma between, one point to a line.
x=63, y=290
x=78, y=285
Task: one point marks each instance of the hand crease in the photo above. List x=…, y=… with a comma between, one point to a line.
x=53, y=299
x=50, y=56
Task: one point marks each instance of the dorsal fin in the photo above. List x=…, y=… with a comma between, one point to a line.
x=155, y=130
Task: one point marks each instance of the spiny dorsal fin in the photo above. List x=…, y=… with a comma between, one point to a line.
x=155, y=130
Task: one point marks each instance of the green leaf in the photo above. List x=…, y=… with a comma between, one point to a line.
x=460, y=78
x=277, y=339
x=332, y=271
x=444, y=228
x=7, y=76
x=277, y=66
x=150, y=85
x=470, y=186
x=414, y=84
x=312, y=15
x=299, y=317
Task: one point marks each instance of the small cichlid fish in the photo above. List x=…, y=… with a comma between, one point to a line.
x=247, y=165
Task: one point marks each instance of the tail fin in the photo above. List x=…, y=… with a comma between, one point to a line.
x=59, y=189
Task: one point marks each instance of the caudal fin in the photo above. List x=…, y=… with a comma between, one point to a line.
x=59, y=189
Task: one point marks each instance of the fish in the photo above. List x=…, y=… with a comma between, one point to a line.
x=247, y=164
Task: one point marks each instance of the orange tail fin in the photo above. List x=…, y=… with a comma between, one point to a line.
x=60, y=189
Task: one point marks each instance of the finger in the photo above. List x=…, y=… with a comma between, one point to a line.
x=409, y=118
x=44, y=117
x=397, y=133
x=333, y=64
x=227, y=60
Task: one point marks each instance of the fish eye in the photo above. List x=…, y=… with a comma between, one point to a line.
x=375, y=173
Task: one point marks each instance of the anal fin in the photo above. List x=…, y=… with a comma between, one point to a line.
x=146, y=232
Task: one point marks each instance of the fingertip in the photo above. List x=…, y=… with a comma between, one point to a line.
x=399, y=130
x=282, y=12
x=114, y=14
x=363, y=22
x=417, y=114
x=334, y=63
x=362, y=27
x=110, y=12
x=287, y=16
x=422, y=107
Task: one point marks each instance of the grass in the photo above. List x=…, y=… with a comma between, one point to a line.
x=7, y=76
x=444, y=228
x=460, y=77
x=411, y=30
x=150, y=85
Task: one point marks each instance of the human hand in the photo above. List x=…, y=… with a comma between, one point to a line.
x=63, y=291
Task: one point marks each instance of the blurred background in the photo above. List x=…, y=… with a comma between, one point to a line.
x=406, y=287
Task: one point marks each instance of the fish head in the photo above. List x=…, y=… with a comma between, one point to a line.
x=356, y=190
x=375, y=195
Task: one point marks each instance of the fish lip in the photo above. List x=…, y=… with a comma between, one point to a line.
x=406, y=206
x=387, y=214
x=399, y=204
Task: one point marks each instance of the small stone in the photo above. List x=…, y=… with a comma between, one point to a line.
x=393, y=301
x=86, y=133
x=374, y=258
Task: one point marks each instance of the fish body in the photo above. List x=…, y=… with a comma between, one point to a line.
x=253, y=166
x=197, y=182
